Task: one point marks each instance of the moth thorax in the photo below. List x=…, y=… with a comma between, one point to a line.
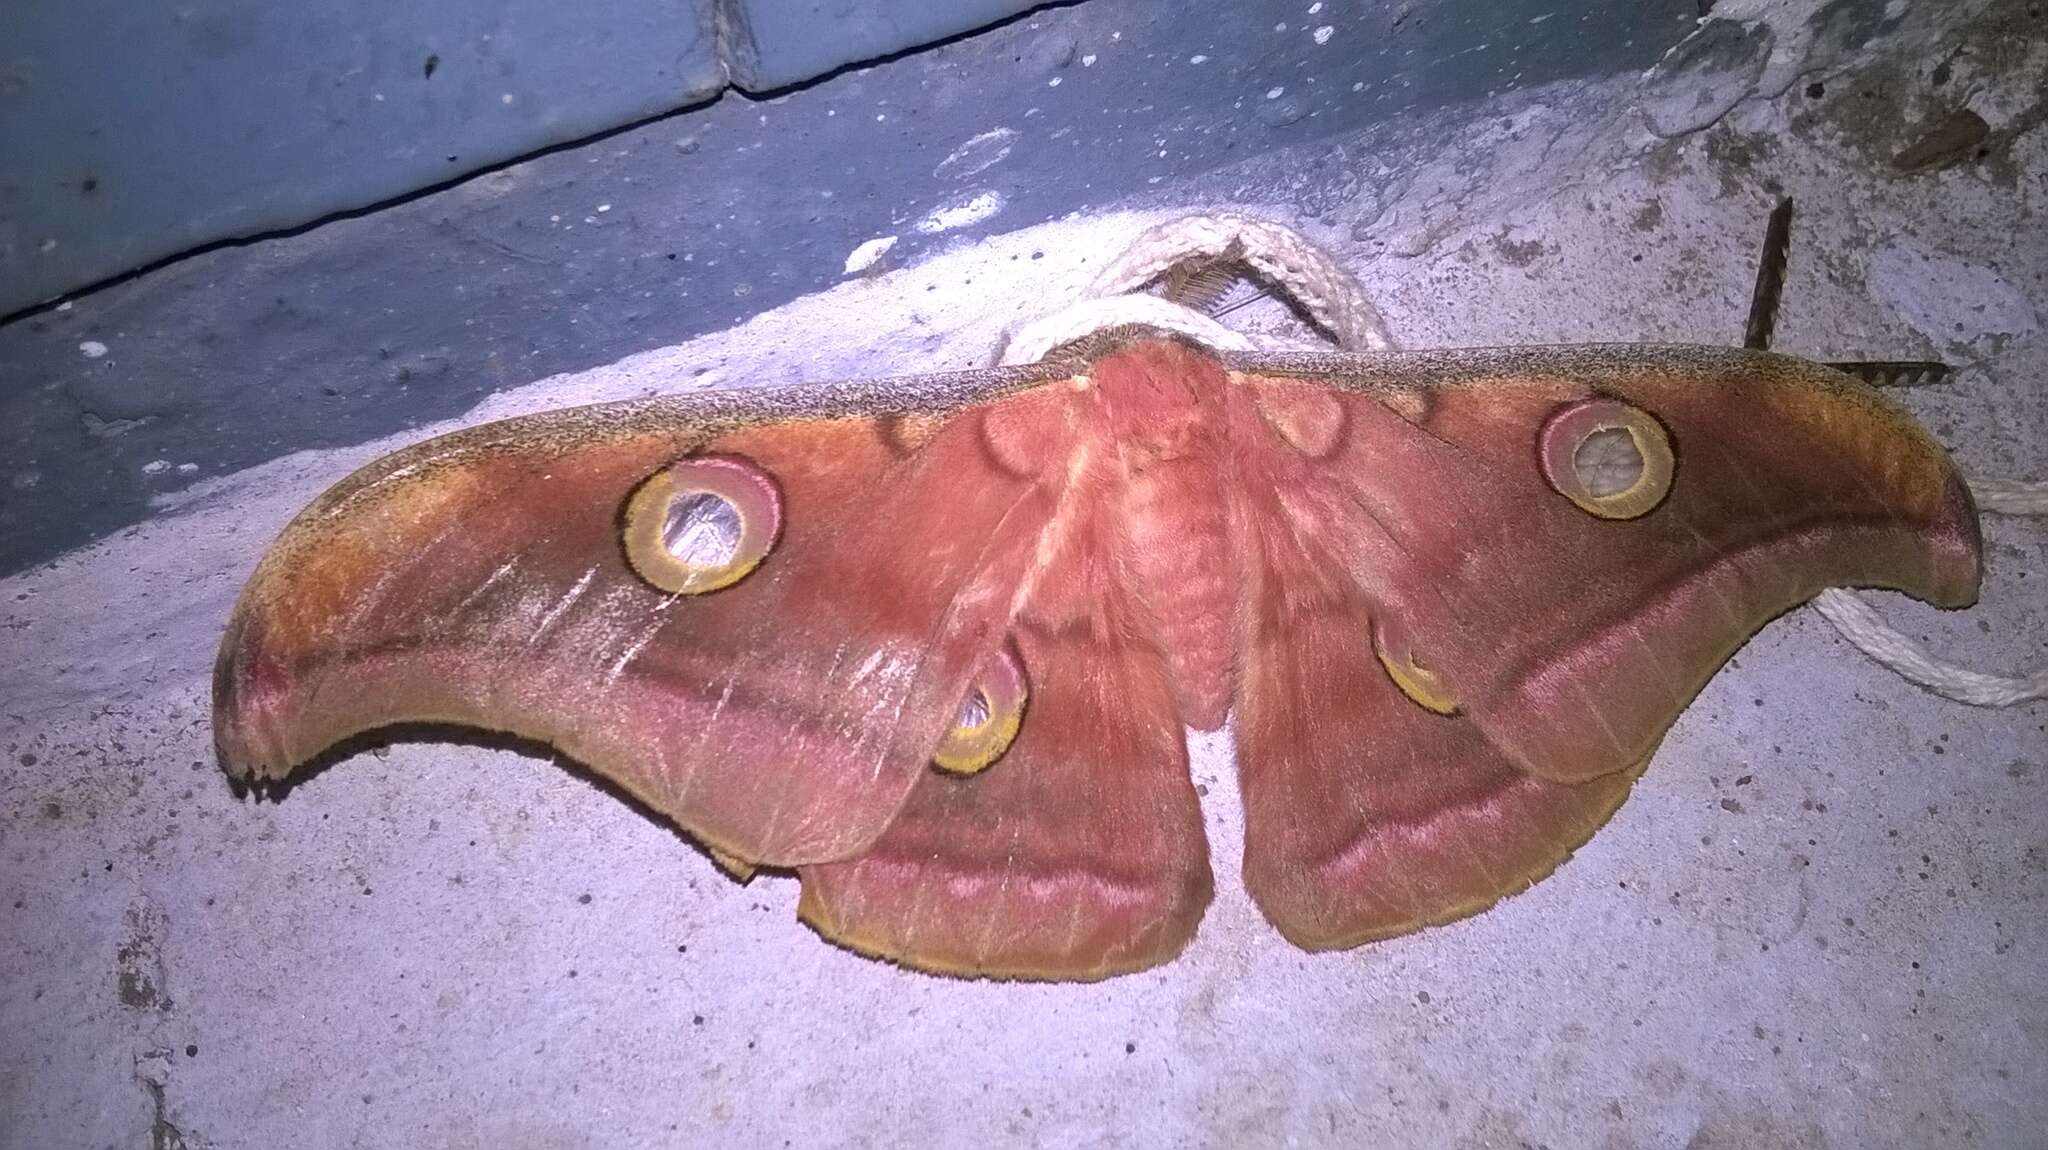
x=1182, y=560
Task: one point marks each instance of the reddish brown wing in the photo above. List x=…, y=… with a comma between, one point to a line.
x=1386, y=818
x=1078, y=855
x=480, y=579
x=1411, y=556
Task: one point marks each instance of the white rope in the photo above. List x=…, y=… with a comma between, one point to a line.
x=1320, y=286
x=1291, y=261
x=1863, y=627
x=2010, y=496
x=1031, y=342
x=1307, y=274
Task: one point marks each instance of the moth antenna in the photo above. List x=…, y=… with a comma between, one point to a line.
x=1201, y=284
x=1261, y=292
x=1763, y=315
x=1895, y=372
x=1770, y=279
x=1206, y=286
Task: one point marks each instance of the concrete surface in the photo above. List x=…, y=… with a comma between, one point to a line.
x=772, y=44
x=686, y=225
x=1817, y=923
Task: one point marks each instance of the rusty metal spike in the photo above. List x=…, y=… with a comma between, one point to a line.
x=1770, y=279
x=1763, y=315
x=1202, y=285
x=1895, y=372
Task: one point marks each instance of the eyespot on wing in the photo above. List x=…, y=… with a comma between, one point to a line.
x=701, y=524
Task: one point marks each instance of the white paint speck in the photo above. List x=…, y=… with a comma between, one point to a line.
x=1275, y=93
x=93, y=349
x=604, y=207
x=977, y=154
x=863, y=257
x=960, y=213
x=1053, y=83
x=65, y=306
x=1088, y=61
x=156, y=467
x=1198, y=58
x=880, y=116
x=1280, y=27
x=188, y=469
x=1359, y=86
x=506, y=99
x=1323, y=34
x=1315, y=7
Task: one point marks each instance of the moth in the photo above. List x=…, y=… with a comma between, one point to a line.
x=933, y=643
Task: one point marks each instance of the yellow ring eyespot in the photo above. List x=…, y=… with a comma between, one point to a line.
x=1611, y=459
x=701, y=523
x=1424, y=687
x=988, y=719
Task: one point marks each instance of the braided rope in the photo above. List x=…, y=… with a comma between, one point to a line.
x=2010, y=496
x=1863, y=627
x=1291, y=261
x=1030, y=343
x=1305, y=273
x=1322, y=288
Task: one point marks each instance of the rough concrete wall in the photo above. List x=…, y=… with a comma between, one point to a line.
x=135, y=131
x=775, y=43
x=689, y=224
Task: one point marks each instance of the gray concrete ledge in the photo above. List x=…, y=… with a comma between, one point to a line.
x=134, y=132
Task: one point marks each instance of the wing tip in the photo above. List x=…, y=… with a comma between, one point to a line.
x=249, y=685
